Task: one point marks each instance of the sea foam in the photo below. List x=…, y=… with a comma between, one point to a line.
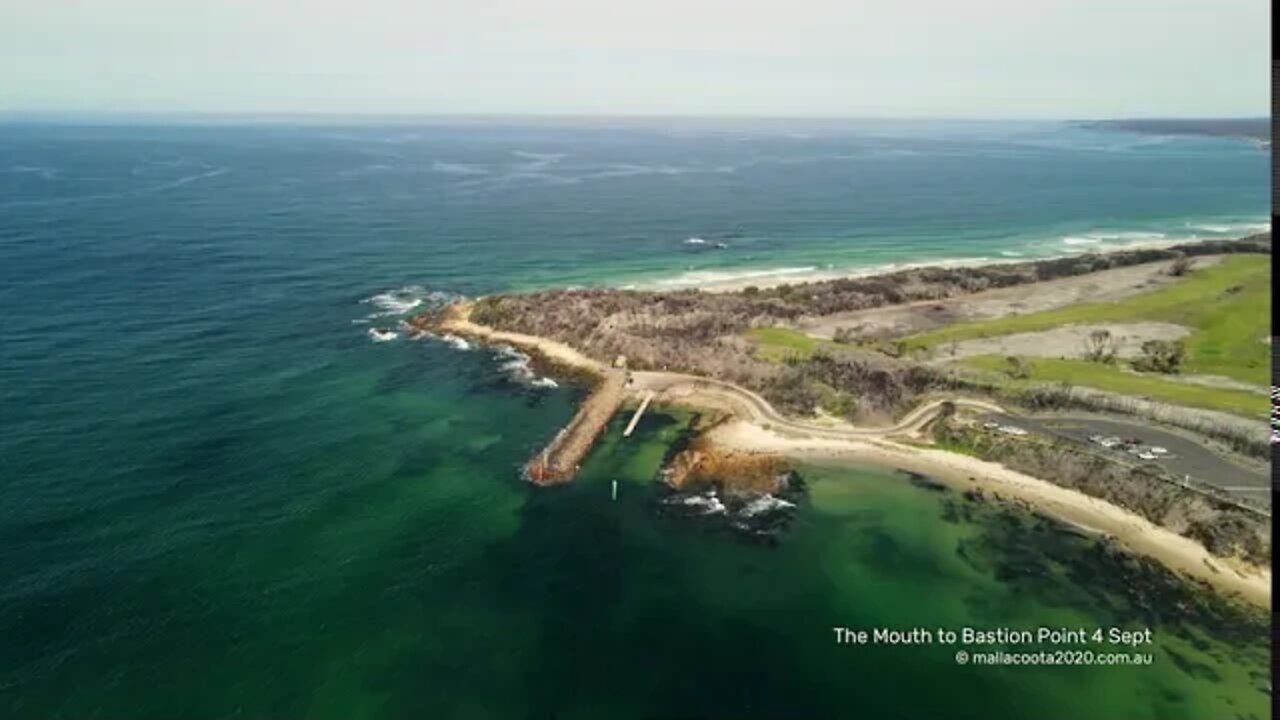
x=1231, y=228
x=455, y=342
x=708, y=504
x=696, y=278
x=519, y=367
x=1100, y=236
x=403, y=299
x=764, y=504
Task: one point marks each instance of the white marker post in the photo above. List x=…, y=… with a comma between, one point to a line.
x=614, y=494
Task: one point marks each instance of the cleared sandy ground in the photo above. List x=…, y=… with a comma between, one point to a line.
x=1220, y=382
x=910, y=318
x=1064, y=342
x=1130, y=530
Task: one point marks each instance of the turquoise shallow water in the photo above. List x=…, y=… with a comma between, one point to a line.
x=220, y=498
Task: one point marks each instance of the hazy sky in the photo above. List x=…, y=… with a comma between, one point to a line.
x=954, y=58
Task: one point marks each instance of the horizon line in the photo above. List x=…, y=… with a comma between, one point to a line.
x=50, y=115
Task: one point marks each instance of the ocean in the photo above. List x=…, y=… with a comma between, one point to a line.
x=230, y=488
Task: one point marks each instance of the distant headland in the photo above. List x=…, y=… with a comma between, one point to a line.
x=1255, y=129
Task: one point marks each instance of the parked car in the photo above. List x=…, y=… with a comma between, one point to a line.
x=1157, y=450
x=1144, y=455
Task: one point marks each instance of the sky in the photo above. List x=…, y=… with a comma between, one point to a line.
x=792, y=58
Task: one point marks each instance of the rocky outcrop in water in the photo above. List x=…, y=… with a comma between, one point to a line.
x=754, y=495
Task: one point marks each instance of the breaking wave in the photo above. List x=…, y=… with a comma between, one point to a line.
x=754, y=516
x=455, y=342
x=1231, y=228
x=1047, y=246
x=1080, y=240
x=519, y=367
x=696, y=278
x=1100, y=237
x=707, y=504
x=403, y=299
x=764, y=504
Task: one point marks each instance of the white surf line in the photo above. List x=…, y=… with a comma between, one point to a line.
x=639, y=411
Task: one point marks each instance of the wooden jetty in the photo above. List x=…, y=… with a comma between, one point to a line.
x=639, y=411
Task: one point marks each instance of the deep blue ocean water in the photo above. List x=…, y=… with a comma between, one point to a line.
x=220, y=497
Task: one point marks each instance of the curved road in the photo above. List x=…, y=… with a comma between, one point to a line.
x=1195, y=459
x=674, y=385
x=1192, y=458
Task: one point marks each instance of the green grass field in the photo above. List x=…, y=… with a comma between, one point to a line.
x=778, y=343
x=1118, y=380
x=1227, y=306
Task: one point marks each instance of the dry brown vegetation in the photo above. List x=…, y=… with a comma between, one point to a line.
x=880, y=385
x=936, y=283
x=1164, y=356
x=701, y=333
x=1224, y=528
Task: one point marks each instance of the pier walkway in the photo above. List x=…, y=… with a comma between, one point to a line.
x=639, y=411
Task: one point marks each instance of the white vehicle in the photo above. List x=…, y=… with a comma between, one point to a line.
x=1011, y=430
x=1109, y=442
x=1157, y=450
x=1146, y=456
x=991, y=425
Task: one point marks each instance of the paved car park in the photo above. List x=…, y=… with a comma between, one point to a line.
x=1177, y=453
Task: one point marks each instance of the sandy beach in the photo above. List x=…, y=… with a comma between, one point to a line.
x=458, y=321
x=736, y=279
x=1128, y=529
